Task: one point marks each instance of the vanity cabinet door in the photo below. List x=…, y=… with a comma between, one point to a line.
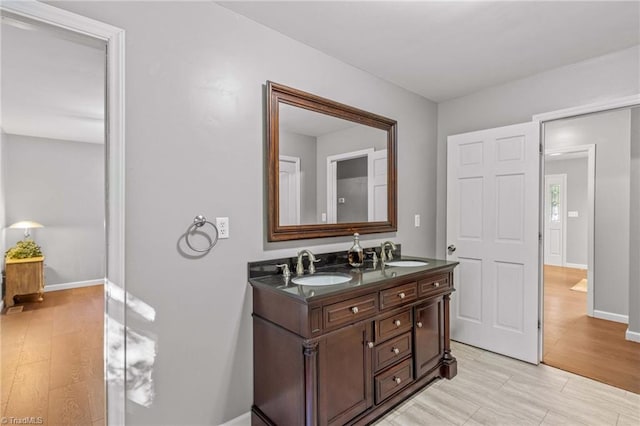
x=345, y=374
x=429, y=335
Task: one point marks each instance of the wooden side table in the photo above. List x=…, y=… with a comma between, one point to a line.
x=23, y=276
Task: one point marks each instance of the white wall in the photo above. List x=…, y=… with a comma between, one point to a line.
x=195, y=145
x=610, y=132
x=577, y=200
x=3, y=221
x=634, y=228
x=61, y=185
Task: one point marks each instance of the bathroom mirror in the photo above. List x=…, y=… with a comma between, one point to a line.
x=331, y=167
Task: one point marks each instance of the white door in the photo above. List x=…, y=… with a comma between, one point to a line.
x=554, y=217
x=289, y=187
x=493, y=181
x=378, y=186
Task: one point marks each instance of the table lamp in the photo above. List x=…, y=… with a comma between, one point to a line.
x=26, y=225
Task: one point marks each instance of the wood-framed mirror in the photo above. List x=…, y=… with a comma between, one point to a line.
x=331, y=168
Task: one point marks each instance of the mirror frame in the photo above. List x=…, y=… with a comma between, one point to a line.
x=278, y=93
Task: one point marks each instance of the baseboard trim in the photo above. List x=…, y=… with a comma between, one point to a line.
x=610, y=316
x=576, y=265
x=76, y=284
x=633, y=336
x=241, y=420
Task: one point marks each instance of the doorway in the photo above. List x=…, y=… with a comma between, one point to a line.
x=586, y=279
x=41, y=18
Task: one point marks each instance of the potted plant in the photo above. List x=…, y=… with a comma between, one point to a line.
x=24, y=249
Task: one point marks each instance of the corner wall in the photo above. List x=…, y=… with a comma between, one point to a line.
x=195, y=144
x=634, y=229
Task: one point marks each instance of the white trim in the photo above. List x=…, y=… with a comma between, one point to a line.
x=1, y=305
x=115, y=163
x=75, y=284
x=575, y=265
x=241, y=420
x=611, y=316
x=633, y=336
x=589, y=109
x=296, y=162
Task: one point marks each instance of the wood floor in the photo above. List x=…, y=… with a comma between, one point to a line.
x=586, y=346
x=52, y=359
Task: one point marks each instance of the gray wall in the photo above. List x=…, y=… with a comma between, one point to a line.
x=61, y=185
x=303, y=147
x=577, y=191
x=192, y=148
x=610, y=132
x=351, y=184
x=634, y=228
x=3, y=222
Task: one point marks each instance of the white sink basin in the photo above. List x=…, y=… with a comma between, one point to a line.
x=406, y=263
x=320, y=279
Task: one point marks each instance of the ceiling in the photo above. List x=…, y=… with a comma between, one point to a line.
x=53, y=83
x=443, y=50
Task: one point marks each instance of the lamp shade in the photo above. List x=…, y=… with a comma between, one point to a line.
x=26, y=225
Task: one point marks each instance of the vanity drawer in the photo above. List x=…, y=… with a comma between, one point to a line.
x=394, y=379
x=349, y=311
x=393, y=325
x=389, y=352
x=433, y=284
x=398, y=295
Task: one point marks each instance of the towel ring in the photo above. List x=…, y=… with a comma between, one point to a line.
x=198, y=222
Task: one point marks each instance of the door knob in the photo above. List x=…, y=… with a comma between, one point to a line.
x=451, y=248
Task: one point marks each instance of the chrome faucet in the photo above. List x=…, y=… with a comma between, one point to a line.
x=312, y=260
x=383, y=251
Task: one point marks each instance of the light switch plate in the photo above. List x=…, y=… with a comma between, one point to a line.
x=416, y=221
x=573, y=214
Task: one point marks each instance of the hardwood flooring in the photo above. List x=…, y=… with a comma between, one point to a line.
x=52, y=359
x=587, y=346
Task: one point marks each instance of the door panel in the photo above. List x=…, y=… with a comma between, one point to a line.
x=555, y=208
x=429, y=337
x=493, y=183
x=344, y=364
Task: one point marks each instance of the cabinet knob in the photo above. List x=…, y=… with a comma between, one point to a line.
x=436, y=284
x=395, y=351
x=397, y=323
x=370, y=345
x=419, y=324
x=402, y=295
x=354, y=309
x=398, y=380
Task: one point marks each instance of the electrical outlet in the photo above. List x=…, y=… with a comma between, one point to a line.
x=222, y=223
x=416, y=221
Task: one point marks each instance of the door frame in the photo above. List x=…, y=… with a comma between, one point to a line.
x=609, y=105
x=296, y=162
x=332, y=206
x=590, y=149
x=115, y=390
x=563, y=212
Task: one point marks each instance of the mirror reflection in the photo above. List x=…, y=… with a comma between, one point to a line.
x=330, y=170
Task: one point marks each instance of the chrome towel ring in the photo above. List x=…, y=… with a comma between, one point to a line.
x=198, y=222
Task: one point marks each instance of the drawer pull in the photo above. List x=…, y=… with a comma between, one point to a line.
x=397, y=323
x=370, y=345
x=398, y=380
x=395, y=351
x=402, y=295
x=436, y=284
x=354, y=309
x=419, y=324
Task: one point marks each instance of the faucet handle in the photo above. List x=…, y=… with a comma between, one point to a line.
x=285, y=270
x=312, y=267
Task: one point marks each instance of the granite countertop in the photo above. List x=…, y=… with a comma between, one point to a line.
x=363, y=276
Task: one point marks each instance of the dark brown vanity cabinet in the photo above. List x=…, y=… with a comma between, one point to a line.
x=350, y=357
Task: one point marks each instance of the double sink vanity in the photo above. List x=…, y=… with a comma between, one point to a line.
x=345, y=345
x=336, y=344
